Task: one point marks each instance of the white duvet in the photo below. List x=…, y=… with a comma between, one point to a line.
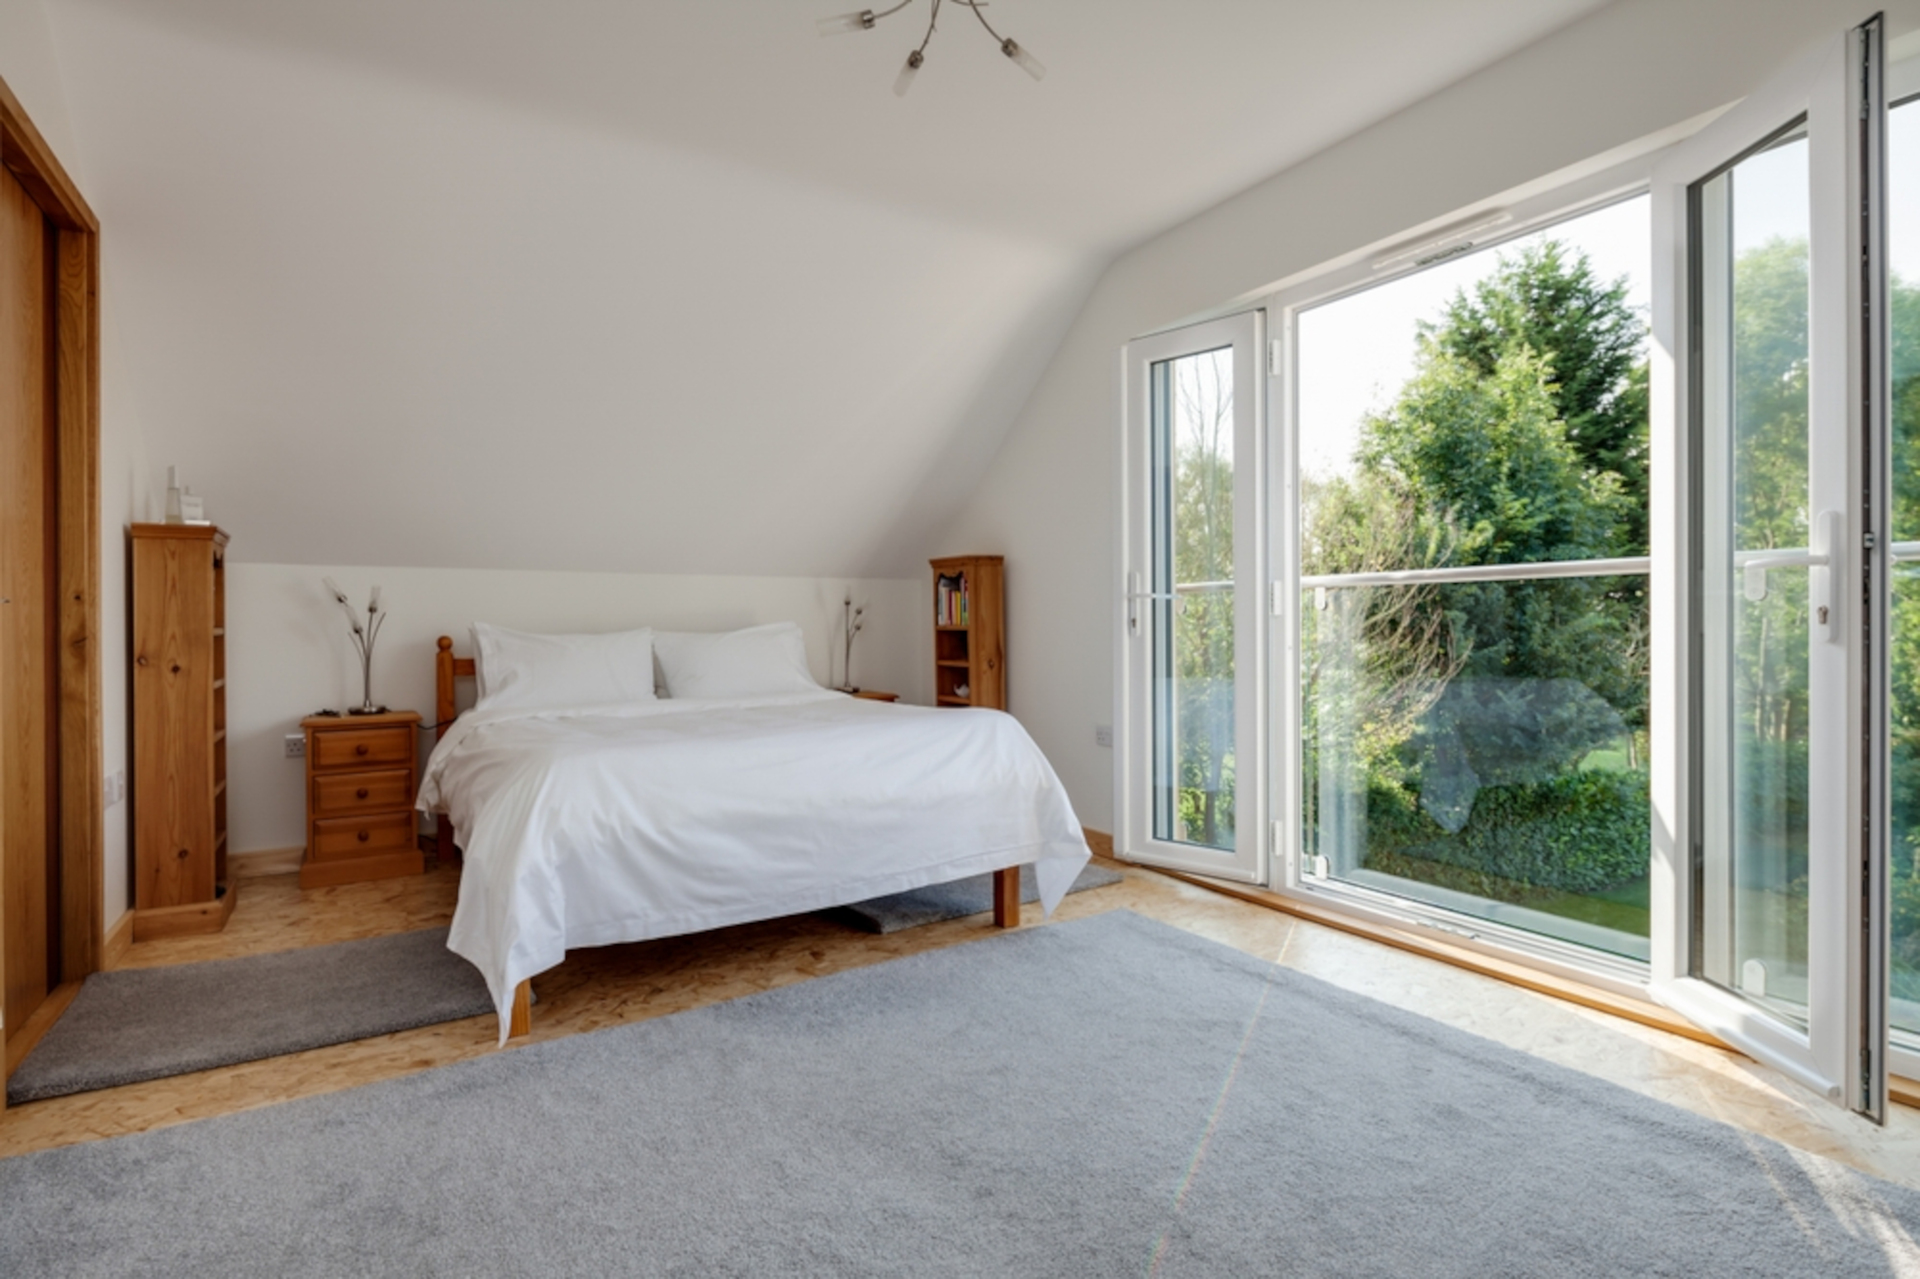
x=594, y=825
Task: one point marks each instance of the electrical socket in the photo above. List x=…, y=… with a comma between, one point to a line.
x=1103, y=734
x=115, y=789
x=296, y=745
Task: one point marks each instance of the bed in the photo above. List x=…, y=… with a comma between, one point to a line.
x=620, y=821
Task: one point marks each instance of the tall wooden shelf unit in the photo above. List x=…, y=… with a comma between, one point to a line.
x=179, y=730
x=969, y=642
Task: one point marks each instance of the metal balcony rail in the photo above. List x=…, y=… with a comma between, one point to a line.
x=1625, y=567
x=1748, y=562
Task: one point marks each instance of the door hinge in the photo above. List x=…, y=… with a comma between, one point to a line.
x=1273, y=599
x=1274, y=357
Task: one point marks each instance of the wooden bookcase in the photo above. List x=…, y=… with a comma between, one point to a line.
x=969, y=631
x=179, y=779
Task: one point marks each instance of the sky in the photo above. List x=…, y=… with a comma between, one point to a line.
x=1356, y=351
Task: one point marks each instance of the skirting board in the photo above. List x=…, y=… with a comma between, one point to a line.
x=119, y=938
x=265, y=861
x=180, y=921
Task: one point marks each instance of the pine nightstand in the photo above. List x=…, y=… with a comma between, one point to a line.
x=360, y=787
x=874, y=695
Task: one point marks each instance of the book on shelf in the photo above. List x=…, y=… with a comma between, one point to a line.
x=950, y=600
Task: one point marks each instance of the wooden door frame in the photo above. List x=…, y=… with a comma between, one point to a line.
x=76, y=443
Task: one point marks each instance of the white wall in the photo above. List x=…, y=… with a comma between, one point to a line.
x=28, y=64
x=1047, y=502
x=288, y=652
x=378, y=320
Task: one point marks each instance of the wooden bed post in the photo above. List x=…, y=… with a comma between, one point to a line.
x=445, y=668
x=520, y=1024
x=1006, y=897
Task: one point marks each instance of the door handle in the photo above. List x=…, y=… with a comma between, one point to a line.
x=1825, y=556
x=1134, y=595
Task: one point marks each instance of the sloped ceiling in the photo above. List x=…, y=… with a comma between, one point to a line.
x=659, y=285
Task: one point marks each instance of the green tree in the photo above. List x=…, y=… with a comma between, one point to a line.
x=1547, y=299
x=1484, y=462
x=1458, y=688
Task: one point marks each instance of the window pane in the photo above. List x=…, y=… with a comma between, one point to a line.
x=1481, y=745
x=1903, y=235
x=1513, y=789
x=1193, y=700
x=1751, y=914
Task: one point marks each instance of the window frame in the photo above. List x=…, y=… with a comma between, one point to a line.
x=1244, y=329
x=1534, y=208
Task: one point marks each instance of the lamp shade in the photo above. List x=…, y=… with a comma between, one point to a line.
x=846, y=23
x=904, y=80
x=1026, y=61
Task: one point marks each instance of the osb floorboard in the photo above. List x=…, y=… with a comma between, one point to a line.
x=617, y=984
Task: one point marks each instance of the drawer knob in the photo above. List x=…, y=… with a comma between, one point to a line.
x=361, y=793
x=361, y=749
x=363, y=837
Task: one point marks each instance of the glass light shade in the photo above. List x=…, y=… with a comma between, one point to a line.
x=846, y=23
x=1027, y=62
x=904, y=80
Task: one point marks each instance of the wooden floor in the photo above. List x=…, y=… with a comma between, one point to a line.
x=619, y=984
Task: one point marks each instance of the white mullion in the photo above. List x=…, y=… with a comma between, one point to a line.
x=1671, y=614
x=1833, y=461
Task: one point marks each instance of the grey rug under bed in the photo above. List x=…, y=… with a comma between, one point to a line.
x=1101, y=1097
x=135, y=1024
x=953, y=900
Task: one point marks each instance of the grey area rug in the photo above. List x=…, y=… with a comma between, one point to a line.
x=147, y=1023
x=1106, y=1096
x=953, y=900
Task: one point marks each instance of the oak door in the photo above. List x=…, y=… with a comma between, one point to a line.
x=29, y=843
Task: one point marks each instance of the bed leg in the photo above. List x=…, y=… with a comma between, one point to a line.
x=1006, y=897
x=444, y=853
x=520, y=1025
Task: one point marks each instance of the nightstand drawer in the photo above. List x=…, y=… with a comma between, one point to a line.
x=363, y=747
x=340, y=838
x=338, y=793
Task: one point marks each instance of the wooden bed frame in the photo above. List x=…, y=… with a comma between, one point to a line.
x=447, y=668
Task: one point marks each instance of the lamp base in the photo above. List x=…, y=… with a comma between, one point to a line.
x=367, y=710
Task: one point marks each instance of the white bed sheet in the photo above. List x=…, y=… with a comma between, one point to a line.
x=588, y=826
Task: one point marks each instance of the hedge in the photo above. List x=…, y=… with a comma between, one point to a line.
x=1581, y=832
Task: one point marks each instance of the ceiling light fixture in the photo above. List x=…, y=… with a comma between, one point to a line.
x=864, y=20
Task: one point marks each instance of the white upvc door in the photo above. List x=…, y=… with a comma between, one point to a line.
x=1769, y=541
x=1190, y=768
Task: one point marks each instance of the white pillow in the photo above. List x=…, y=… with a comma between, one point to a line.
x=516, y=670
x=757, y=662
